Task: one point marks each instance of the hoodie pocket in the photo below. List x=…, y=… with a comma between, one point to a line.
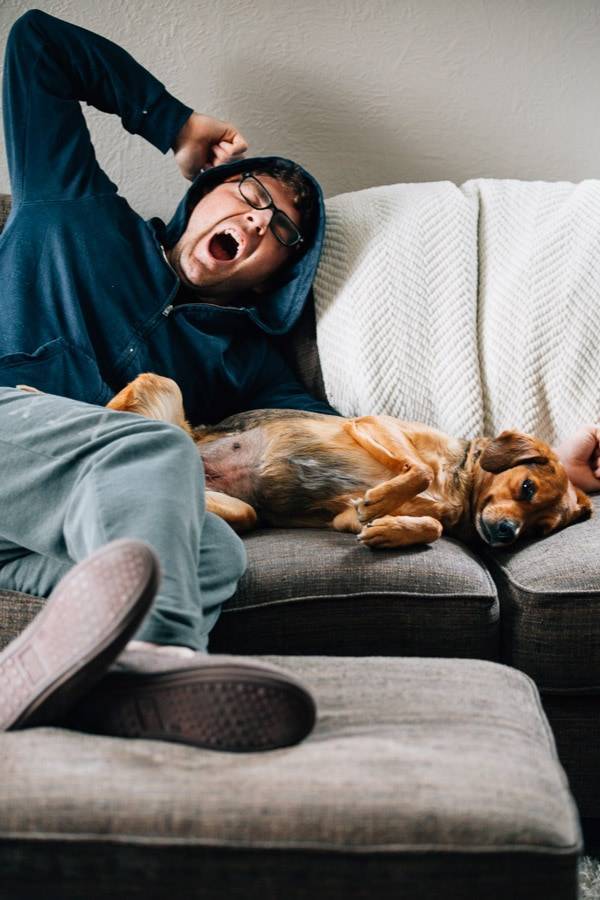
x=56, y=368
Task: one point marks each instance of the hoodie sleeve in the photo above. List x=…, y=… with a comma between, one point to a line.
x=276, y=387
x=50, y=66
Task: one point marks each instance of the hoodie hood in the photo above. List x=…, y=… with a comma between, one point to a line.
x=275, y=312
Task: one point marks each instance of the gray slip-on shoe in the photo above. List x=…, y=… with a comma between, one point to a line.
x=216, y=702
x=86, y=621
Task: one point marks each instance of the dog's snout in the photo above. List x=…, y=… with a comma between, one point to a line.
x=504, y=531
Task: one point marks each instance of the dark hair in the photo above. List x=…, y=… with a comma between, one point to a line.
x=301, y=189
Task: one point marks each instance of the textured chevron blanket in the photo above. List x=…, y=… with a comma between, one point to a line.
x=471, y=308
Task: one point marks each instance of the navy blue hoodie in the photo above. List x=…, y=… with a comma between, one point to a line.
x=86, y=293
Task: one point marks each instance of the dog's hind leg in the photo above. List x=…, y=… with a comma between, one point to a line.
x=153, y=396
x=385, y=441
x=383, y=438
x=400, y=531
x=237, y=513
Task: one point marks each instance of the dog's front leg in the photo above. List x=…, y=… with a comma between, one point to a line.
x=385, y=440
x=237, y=513
x=390, y=495
x=400, y=531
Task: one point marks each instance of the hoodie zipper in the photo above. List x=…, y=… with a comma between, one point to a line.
x=168, y=309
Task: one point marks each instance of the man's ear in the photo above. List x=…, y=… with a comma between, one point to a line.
x=511, y=448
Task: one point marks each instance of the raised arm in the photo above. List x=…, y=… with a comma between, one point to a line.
x=50, y=66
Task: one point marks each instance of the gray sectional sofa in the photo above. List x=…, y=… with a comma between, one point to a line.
x=317, y=593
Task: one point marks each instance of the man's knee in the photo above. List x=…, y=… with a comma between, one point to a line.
x=157, y=443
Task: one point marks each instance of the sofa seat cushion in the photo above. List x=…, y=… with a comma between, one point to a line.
x=318, y=591
x=550, y=607
x=423, y=778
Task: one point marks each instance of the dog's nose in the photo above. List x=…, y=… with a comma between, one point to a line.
x=504, y=531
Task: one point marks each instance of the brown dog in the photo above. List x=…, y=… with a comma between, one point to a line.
x=393, y=483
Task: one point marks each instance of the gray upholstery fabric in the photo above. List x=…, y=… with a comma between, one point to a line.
x=315, y=591
x=318, y=591
x=550, y=607
x=433, y=777
x=16, y=611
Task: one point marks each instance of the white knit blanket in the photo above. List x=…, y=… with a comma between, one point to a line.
x=472, y=308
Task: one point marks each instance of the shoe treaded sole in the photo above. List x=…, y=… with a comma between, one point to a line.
x=223, y=708
x=86, y=621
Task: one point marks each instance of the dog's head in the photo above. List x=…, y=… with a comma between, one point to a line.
x=522, y=489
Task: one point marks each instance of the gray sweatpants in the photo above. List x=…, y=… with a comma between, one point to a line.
x=75, y=476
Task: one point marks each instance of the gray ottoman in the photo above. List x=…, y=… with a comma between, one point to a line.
x=425, y=778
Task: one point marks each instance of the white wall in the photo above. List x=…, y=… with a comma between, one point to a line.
x=361, y=92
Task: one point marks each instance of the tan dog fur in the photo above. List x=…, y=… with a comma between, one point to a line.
x=391, y=482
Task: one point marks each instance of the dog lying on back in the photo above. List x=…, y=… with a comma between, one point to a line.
x=393, y=483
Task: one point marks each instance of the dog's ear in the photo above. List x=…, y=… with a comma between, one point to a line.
x=511, y=448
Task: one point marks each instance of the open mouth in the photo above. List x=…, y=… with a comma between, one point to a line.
x=224, y=246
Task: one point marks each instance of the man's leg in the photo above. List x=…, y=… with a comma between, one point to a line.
x=220, y=561
x=74, y=477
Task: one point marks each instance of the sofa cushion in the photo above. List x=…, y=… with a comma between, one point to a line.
x=420, y=774
x=318, y=591
x=550, y=606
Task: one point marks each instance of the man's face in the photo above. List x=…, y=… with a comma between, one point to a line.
x=203, y=257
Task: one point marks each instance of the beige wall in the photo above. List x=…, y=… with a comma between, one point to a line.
x=361, y=92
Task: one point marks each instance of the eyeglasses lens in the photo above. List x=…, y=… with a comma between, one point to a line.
x=254, y=193
x=284, y=229
x=257, y=196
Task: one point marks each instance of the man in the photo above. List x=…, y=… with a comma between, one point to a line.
x=91, y=296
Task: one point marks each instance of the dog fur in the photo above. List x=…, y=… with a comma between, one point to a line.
x=392, y=483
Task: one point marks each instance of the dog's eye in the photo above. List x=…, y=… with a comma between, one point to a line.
x=528, y=489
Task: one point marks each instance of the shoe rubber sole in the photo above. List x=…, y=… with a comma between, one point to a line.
x=87, y=620
x=231, y=707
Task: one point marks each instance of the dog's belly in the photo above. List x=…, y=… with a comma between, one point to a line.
x=232, y=463
x=286, y=469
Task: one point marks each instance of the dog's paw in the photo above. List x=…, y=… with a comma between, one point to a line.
x=388, y=532
x=373, y=505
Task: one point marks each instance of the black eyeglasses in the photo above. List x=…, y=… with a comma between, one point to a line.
x=257, y=196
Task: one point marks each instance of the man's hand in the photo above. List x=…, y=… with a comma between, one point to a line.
x=204, y=142
x=580, y=455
